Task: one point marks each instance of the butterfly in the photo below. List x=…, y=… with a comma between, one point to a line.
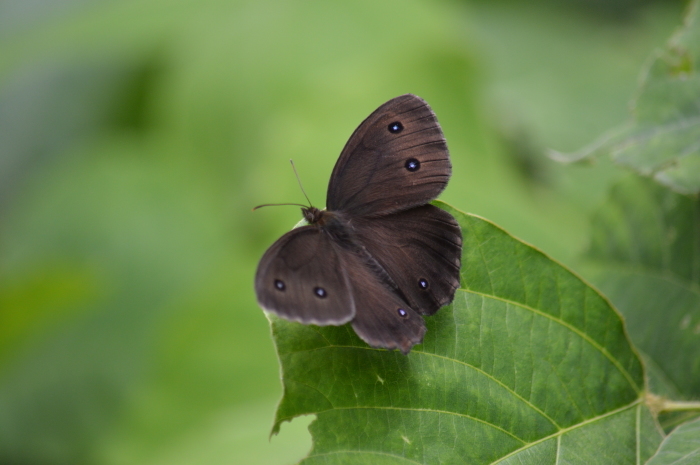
x=379, y=256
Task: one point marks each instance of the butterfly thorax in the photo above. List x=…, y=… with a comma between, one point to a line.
x=315, y=216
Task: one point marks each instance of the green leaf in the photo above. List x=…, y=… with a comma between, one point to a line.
x=645, y=256
x=662, y=140
x=681, y=447
x=528, y=364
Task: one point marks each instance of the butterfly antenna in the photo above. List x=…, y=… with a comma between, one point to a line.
x=277, y=205
x=299, y=181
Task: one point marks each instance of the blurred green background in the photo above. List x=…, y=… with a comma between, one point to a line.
x=135, y=136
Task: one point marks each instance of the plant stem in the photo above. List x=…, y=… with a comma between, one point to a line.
x=677, y=406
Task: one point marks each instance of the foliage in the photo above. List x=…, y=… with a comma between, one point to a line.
x=645, y=256
x=681, y=447
x=135, y=136
x=661, y=140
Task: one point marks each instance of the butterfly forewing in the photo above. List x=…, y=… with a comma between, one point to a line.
x=301, y=278
x=420, y=249
x=396, y=159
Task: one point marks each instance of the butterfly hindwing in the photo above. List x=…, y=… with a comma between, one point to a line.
x=382, y=319
x=301, y=278
x=396, y=159
x=420, y=249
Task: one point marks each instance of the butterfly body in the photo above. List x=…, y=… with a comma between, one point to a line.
x=380, y=256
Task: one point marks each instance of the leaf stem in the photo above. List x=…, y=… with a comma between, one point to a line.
x=676, y=406
x=660, y=404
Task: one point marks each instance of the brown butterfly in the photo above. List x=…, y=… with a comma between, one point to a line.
x=379, y=256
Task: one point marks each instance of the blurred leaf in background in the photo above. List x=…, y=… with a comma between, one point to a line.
x=645, y=256
x=135, y=136
x=661, y=138
x=680, y=447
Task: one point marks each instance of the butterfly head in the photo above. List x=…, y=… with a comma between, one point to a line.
x=313, y=215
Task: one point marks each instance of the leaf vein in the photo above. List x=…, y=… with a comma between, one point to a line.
x=447, y=412
x=573, y=329
x=561, y=432
x=363, y=452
